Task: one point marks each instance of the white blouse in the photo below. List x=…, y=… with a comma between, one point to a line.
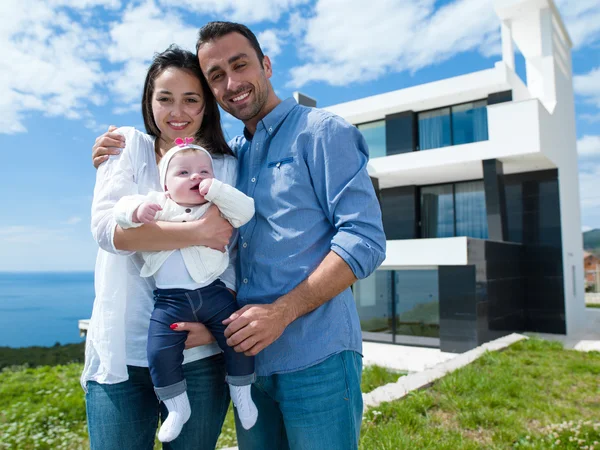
x=118, y=330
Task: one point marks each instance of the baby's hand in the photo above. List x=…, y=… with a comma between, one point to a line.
x=205, y=186
x=146, y=212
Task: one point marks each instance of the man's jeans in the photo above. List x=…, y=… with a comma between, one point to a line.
x=125, y=415
x=209, y=305
x=316, y=408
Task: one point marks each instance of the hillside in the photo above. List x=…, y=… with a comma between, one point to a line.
x=591, y=239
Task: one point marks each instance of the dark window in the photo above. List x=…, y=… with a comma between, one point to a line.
x=434, y=129
x=469, y=123
x=459, y=124
x=437, y=211
x=374, y=134
x=471, y=217
x=457, y=209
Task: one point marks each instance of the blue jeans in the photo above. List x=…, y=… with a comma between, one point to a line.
x=316, y=408
x=125, y=415
x=209, y=305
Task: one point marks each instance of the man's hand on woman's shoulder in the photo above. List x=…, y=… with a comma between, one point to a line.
x=109, y=143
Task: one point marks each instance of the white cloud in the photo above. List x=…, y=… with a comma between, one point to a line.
x=270, y=41
x=30, y=235
x=386, y=36
x=582, y=19
x=244, y=11
x=133, y=107
x=588, y=146
x=591, y=118
x=84, y=4
x=72, y=220
x=390, y=36
x=588, y=86
x=589, y=189
x=144, y=30
x=50, y=63
x=585, y=228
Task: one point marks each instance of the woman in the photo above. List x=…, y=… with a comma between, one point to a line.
x=122, y=408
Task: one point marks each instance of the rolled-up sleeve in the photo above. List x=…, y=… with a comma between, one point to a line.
x=115, y=178
x=337, y=161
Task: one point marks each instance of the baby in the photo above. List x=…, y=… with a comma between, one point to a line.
x=187, y=280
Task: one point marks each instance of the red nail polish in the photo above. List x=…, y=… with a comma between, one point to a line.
x=173, y=326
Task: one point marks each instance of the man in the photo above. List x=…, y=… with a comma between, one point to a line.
x=317, y=229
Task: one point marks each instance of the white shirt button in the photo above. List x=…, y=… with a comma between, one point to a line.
x=245, y=280
x=270, y=129
x=245, y=244
x=253, y=180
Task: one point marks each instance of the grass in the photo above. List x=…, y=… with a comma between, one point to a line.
x=592, y=305
x=535, y=395
x=43, y=407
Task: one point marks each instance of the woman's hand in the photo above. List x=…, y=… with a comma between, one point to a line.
x=198, y=333
x=110, y=143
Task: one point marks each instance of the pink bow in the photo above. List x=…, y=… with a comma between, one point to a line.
x=182, y=142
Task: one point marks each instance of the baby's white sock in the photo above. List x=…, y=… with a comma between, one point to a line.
x=179, y=413
x=246, y=409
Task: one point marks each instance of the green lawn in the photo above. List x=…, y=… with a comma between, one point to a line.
x=43, y=407
x=534, y=395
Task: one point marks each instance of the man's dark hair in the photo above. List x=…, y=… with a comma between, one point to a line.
x=216, y=30
x=210, y=134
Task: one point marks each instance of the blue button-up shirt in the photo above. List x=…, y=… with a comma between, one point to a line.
x=306, y=170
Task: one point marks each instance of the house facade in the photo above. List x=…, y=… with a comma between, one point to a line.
x=591, y=266
x=478, y=183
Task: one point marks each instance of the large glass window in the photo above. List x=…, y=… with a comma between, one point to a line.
x=460, y=124
x=417, y=303
x=471, y=216
x=374, y=134
x=434, y=129
x=469, y=123
x=437, y=211
x=400, y=306
x=458, y=209
x=373, y=296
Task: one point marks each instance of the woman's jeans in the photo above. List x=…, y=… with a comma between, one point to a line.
x=125, y=415
x=210, y=305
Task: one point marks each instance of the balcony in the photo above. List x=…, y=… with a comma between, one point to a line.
x=514, y=138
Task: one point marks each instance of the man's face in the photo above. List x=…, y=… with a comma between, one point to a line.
x=236, y=77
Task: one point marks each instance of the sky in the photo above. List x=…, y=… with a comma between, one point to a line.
x=70, y=68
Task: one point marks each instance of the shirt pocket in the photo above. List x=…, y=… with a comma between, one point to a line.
x=278, y=163
x=283, y=176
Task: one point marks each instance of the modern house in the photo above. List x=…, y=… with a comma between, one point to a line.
x=478, y=182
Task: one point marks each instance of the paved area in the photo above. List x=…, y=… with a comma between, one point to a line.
x=402, y=357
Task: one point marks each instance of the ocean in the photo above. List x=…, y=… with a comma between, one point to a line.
x=43, y=308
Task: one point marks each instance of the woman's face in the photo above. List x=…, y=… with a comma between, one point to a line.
x=177, y=105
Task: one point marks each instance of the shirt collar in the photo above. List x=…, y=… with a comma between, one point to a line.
x=273, y=120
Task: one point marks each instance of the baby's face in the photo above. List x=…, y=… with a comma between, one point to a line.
x=185, y=172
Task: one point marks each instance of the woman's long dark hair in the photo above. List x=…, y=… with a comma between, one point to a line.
x=210, y=134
